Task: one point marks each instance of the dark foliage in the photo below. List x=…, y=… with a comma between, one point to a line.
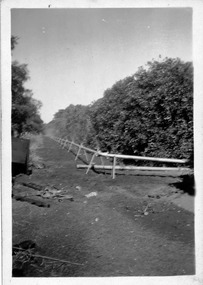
x=73, y=123
x=25, y=109
x=149, y=113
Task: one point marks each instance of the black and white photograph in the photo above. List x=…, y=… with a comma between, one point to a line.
x=99, y=143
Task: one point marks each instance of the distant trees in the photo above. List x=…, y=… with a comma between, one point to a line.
x=25, y=109
x=73, y=122
x=149, y=113
x=57, y=127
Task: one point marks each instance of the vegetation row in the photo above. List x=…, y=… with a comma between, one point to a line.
x=149, y=113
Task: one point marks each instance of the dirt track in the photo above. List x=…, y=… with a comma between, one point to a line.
x=132, y=227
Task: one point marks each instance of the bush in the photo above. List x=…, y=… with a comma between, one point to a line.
x=149, y=113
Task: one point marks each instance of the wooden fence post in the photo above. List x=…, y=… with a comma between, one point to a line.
x=78, y=153
x=102, y=161
x=70, y=146
x=65, y=142
x=91, y=162
x=61, y=143
x=86, y=155
x=114, y=167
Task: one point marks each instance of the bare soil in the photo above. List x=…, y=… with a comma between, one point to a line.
x=140, y=224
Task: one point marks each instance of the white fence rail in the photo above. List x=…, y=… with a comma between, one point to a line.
x=65, y=142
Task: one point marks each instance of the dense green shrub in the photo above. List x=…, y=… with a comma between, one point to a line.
x=25, y=109
x=149, y=113
x=72, y=122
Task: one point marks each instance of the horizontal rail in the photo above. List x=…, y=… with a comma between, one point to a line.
x=172, y=160
x=83, y=147
x=118, y=167
x=123, y=156
x=115, y=167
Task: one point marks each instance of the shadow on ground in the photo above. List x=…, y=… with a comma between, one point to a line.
x=187, y=184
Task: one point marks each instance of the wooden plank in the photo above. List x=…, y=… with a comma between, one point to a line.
x=172, y=160
x=118, y=167
x=89, y=150
x=83, y=147
x=122, y=156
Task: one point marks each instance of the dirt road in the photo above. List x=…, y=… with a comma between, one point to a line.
x=130, y=226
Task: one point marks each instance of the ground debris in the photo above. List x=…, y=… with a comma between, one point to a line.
x=46, y=192
x=68, y=197
x=26, y=258
x=144, y=212
x=78, y=188
x=154, y=196
x=33, y=185
x=37, y=165
x=92, y=194
x=45, y=257
x=30, y=200
x=24, y=245
x=50, y=192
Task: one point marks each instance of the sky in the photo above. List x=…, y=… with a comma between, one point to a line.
x=74, y=55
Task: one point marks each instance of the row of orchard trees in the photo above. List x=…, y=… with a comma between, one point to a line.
x=25, y=109
x=149, y=113
x=73, y=122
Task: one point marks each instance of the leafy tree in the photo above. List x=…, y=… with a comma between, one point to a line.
x=73, y=122
x=149, y=113
x=24, y=107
